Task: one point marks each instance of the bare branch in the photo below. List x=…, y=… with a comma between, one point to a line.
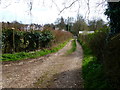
x=79, y=7
x=10, y=3
x=68, y=6
x=56, y=5
x=102, y=3
x=88, y=9
x=43, y=2
x=7, y=5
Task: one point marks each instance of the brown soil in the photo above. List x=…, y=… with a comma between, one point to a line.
x=56, y=70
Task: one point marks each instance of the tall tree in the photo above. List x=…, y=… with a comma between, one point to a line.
x=79, y=25
x=96, y=24
x=60, y=22
x=113, y=12
x=69, y=23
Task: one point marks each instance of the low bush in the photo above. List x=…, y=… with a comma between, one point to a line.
x=60, y=36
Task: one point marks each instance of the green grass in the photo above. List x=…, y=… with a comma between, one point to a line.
x=35, y=54
x=73, y=48
x=92, y=70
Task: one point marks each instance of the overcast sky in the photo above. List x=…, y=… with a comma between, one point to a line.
x=46, y=11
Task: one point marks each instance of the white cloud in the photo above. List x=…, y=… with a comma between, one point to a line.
x=47, y=12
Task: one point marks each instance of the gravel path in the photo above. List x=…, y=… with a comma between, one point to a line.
x=56, y=70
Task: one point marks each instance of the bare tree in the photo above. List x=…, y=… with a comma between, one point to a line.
x=67, y=4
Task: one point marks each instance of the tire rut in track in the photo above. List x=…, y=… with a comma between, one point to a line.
x=54, y=71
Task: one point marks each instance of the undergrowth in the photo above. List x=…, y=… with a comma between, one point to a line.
x=92, y=70
x=34, y=54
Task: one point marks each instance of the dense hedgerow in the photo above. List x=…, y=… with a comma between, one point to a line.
x=96, y=42
x=33, y=54
x=105, y=57
x=19, y=41
x=92, y=69
x=93, y=63
x=112, y=61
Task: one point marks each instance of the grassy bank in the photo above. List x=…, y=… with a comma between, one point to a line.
x=92, y=70
x=35, y=54
x=73, y=47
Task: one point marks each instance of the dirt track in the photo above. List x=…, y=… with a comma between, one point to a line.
x=56, y=70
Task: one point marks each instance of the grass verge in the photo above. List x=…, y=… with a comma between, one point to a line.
x=92, y=70
x=35, y=54
x=73, y=48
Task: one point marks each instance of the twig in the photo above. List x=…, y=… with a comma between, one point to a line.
x=56, y=5
x=88, y=9
x=68, y=6
x=102, y=3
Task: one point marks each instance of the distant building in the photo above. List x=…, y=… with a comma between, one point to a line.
x=32, y=27
x=63, y=29
x=41, y=28
x=56, y=28
x=80, y=32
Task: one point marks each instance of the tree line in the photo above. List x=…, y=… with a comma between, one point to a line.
x=74, y=25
